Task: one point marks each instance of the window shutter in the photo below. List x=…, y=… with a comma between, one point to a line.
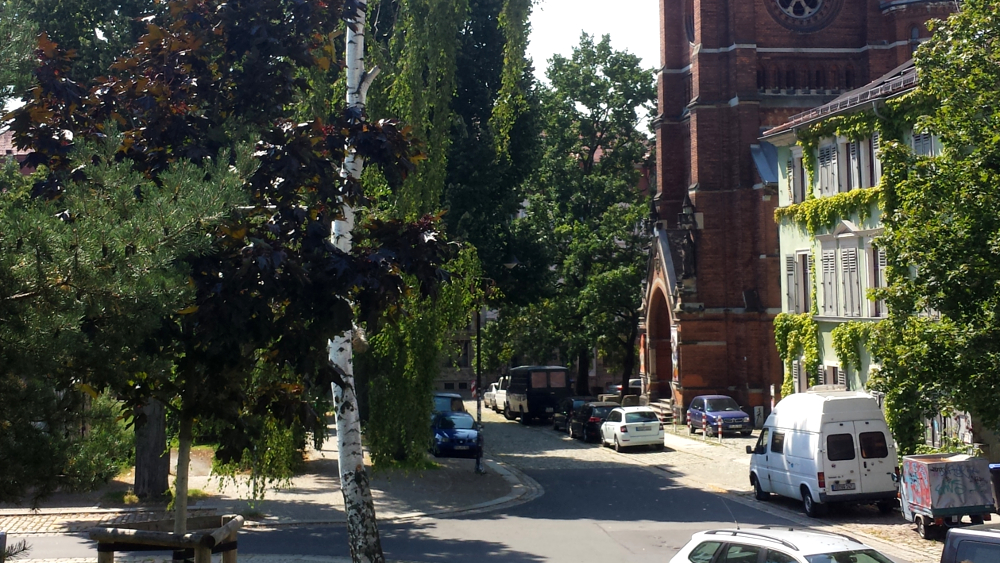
x=790, y=282
x=851, y=279
x=876, y=163
x=797, y=376
x=841, y=377
x=880, y=276
x=834, y=171
x=829, y=265
x=854, y=163
x=808, y=281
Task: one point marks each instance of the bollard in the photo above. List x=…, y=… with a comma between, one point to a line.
x=3, y=545
x=720, y=430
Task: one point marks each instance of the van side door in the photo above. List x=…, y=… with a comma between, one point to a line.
x=878, y=456
x=841, y=465
x=777, y=464
x=758, y=463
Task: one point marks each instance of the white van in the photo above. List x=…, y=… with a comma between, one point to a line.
x=825, y=447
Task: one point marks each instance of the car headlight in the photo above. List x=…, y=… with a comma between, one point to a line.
x=746, y=419
x=443, y=439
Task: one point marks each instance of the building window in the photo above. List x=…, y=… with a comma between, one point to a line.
x=874, y=163
x=761, y=79
x=855, y=176
x=798, y=180
x=821, y=79
x=828, y=170
x=828, y=263
x=449, y=386
x=833, y=375
x=876, y=280
x=464, y=355
x=914, y=39
x=923, y=144
x=851, y=282
x=463, y=385
x=798, y=282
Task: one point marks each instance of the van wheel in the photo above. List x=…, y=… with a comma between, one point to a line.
x=976, y=520
x=759, y=493
x=744, y=432
x=923, y=527
x=812, y=509
x=525, y=419
x=885, y=506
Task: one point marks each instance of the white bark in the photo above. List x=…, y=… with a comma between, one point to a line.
x=362, y=528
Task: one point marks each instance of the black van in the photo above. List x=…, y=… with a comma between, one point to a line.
x=536, y=391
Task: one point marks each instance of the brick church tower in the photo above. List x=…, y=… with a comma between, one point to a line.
x=732, y=69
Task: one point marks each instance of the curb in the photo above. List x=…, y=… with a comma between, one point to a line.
x=523, y=489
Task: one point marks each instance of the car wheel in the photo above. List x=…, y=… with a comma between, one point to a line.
x=691, y=429
x=555, y=425
x=658, y=447
x=525, y=419
x=759, y=493
x=506, y=412
x=744, y=432
x=885, y=506
x=707, y=429
x=923, y=527
x=586, y=435
x=569, y=428
x=618, y=445
x=812, y=509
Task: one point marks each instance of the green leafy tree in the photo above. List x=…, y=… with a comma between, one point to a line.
x=17, y=45
x=270, y=287
x=940, y=348
x=585, y=203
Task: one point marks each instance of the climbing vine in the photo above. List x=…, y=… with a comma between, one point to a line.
x=848, y=338
x=511, y=102
x=818, y=213
x=797, y=335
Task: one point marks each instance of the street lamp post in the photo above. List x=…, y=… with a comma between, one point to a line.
x=479, y=392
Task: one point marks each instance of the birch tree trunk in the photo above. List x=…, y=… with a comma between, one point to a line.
x=362, y=528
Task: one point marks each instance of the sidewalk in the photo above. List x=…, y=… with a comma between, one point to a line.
x=313, y=498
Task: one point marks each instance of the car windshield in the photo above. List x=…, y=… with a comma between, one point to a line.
x=442, y=404
x=641, y=416
x=719, y=405
x=601, y=412
x=456, y=421
x=859, y=556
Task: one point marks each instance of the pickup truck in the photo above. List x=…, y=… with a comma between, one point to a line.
x=972, y=544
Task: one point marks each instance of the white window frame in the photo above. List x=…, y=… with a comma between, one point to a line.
x=798, y=176
x=798, y=282
x=874, y=161
x=857, y=165
x=876, y=278
x=923, y=144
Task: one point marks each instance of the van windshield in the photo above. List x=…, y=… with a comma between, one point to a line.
x=720, y=405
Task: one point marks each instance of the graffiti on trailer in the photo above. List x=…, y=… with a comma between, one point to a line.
x=960, y=484
x=917, y=484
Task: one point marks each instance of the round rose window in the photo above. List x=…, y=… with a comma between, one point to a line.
x=800, y=8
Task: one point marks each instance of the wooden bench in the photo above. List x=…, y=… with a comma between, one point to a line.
x=208, y=535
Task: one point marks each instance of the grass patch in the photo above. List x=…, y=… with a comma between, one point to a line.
x=119, y=498
x=425, y=464
x=193, y=495
x=252, y=514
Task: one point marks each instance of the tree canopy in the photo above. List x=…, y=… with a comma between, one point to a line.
x=586, y=207
x=940, y=348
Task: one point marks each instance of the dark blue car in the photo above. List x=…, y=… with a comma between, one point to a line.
x=708, y=411
x=455, y=435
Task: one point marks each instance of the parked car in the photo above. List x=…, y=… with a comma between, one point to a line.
x=490, y=397
x=634, y=388
x=825, y=447
x=784, y=545
x=628, y=427
x=456, y=434
x=500, y=397
x=535, y=392
x=587, y=420
x=564, y=414
x=973, y=544
x=445, y=402
x=707, y=411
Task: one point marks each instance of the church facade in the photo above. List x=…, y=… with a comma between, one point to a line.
x=732, y=69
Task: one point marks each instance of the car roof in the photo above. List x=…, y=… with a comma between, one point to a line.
x=449, y=395
x=803, y=542
x=712, y=397
x=635, y=409
x=603, y=404
x=981, y=530
x=583, y=397
x=452, y=413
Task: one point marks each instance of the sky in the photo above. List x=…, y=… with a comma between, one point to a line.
x=556, y=26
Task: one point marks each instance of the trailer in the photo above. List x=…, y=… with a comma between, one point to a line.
x=937, y=490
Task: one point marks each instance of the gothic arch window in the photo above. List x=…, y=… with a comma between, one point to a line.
x=761, y=79
x=775, y=75
x=914, y=39
x=820, y=79
x=849, y=78
x=790, y=78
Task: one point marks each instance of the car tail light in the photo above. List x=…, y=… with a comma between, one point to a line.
x=624, y=428
x=661, y=426
x=821, y=479
x=594, y=419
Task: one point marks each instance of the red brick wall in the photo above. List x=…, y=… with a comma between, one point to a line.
x=704, y=139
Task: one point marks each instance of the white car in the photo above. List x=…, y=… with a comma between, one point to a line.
x=489, y=397
x=775, y=545
x=626, y=427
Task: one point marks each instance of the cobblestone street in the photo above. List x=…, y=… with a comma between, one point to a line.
x=700, y=463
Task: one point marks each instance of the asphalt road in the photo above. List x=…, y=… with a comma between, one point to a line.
x=592, y=510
